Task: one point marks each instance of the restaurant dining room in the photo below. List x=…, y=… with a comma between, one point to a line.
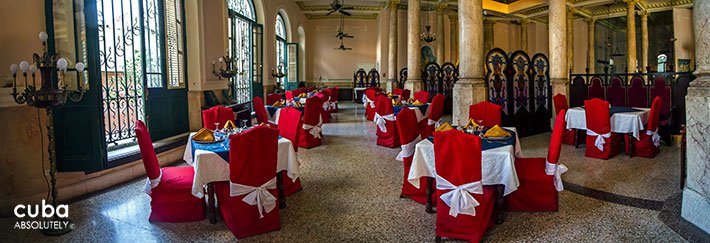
x=355, y=121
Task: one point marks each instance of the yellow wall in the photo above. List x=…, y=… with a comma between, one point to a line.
x=328, y=63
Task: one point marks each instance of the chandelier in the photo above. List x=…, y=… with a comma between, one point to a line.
x=227, y=67
x=428, y=36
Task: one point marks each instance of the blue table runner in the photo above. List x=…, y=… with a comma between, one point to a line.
x=487, y=144
x=422, y=108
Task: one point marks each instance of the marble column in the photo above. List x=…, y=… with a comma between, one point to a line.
x=631, y=60
x=454, y=20
x=471, y=87
x=524, y=34
x=644, y=40
x=414, y=73
x=570, y=38
x=557, y=34
x=488, y=32
x=440, y=55
x=392, y=57
x=696, y=194
x=591, y=55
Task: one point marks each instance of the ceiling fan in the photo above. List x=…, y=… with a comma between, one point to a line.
x=342, y=46
x=341, y=34
x=338, y=6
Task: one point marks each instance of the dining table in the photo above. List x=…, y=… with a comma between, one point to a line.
x=497, y=166
x=421, y=111
x=211, y=164
x=624, y=120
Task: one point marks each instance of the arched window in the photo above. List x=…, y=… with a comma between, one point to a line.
x=281, y=49
x=240, y=35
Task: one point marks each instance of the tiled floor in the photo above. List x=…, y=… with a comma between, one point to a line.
x=351, y=193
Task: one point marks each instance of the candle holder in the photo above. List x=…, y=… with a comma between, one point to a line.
x=227, y=69
x=48, y=97
x=278, y=73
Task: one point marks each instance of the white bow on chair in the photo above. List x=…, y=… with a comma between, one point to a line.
x=150, y=184
x=382, y=121
x=259, y=196
x=435, y=123
x=556, y=170
x=459, y=199
x=408, y=149
x=599, y=142
x=655, y=137
x=314, y=130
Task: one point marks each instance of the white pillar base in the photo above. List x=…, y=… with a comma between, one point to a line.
x=466, y=93
x=696, y=209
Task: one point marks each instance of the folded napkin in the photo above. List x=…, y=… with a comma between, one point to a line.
x=444, y=127
x=397, y=103
x=229, y=125
x=471, y=124
x=203, y=135
x=496, y=132
x=389, y=94
x=278, y=104
x=302, y=95
x=417, y=103
x=410, y=100
x=297, y=104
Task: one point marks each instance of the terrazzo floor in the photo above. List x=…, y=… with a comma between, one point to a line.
x=351, y=193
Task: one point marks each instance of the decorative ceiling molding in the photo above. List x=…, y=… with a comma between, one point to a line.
x=337, y=16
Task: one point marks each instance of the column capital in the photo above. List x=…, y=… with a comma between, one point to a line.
x=524, y=22
x=393, y=4
x=643, y=14
x=629, y=2
x=488, y=22
x=570, y=12
x=441, y=7
x=590, y=21
x=454, y=17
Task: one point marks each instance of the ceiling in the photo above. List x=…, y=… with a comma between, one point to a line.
x=534, y=10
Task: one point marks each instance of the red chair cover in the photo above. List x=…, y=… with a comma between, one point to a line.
x=649, y=141
x=289, y=127
x=370, y=104
x=409, y=135
x=289, y=95
x=487, y=112
x=325, y=95
x=248, y=168
x=273, y=98
x=596, y=90
x=599, y=124
x=298, y=92
x=334, y=97
x=539, y=181
x=560, y=102
x=170, y=189
x=387, y=135
x=616, y=94
x=216, y=114
x=312, y=120
x=405, y=94
x=422, y=96
x=458, y=161
x=311, y=89
x=397, y=91
x=637, y=93
x=436, y=111
x=260, y=110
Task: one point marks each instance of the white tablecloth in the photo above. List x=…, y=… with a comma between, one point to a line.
x=497, y=165
x=621, y=122
x=210, y=167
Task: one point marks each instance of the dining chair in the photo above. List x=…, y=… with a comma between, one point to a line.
x=387, y=135
x=247, y=202
x=334, y=97
x=310, y=134
x=540, y=178
x=464, y=207
x=560, y=102
x=406, y=94
x=409, y=135
x=601, y=142
x=216, y=114
x=486, y=112
x=397, y=91
x=170, y=188
x=434, y=117
x=273, y=98
x=289, y=128
x=289, y=95
x=260, y=110
x=649, y=142
x=370, y=104
x=325, y=95
x=422, y=96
